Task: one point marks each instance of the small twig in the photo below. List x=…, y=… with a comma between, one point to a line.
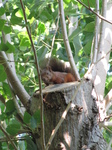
x=108, y=130
x=108, y=98
x=92, y=65
x=48, y=46
x=4, y=139
x=108, y=117
x=88, y=3
x=38, y=72
x=2, y=99
x=17, y=106
x=109, y=145
x=100, y=16
x=8, y=137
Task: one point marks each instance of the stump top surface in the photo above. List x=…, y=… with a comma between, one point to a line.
x=58, y=87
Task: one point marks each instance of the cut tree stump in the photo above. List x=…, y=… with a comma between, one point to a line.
x=80, y=129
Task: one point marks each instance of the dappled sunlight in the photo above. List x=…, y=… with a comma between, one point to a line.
x=64, y=114
x=97, y=80
x=67, y=138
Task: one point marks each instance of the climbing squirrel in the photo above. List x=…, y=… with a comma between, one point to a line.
x=56, y=72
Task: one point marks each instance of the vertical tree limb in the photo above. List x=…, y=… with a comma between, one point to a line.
x=95, y=50
x=38, y=72
x=66, y=41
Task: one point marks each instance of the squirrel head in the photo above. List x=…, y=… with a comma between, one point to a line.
x=47, y=75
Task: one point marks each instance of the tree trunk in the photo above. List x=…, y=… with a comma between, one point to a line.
x=80, y=129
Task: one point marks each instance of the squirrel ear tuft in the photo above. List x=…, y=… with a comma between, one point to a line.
x=49, y=68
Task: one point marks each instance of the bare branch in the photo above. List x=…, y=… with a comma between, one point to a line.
x=100, y=16
x=2, y=99
x=66, y=41
x=38, y=72
x=108, y=98
x=52, y=45
x=18, y=108
x=15, y=82
x=8, y=137
x=95, y=50
x=109, y=146
x=4, y=139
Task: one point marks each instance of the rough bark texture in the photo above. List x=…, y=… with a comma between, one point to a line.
x=79, y=131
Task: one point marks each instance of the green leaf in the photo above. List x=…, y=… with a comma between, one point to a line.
x=2, y=22
x=75, y=33
x=13, y=128
x=2, y=11
x=10, y=107
x=37, y=116
x=3, y=116
x=87, y=47
x=90, y=27
x=25, y=42
x=8, y=48
x=30, y=144
x=33, y=123
x=16, y=20
x=11, y=48
x=27, y=117
x=46, y=15
x=19, y=13
x=67, y=1
x=6, y=29
x=78, y=46
x=41, y=27
x=3, y=75
x=90, y=3
x=6, y=89
x=3, y=46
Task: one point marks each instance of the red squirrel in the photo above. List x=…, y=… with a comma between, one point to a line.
x=56, y=72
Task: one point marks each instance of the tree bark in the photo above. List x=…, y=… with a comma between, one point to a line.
x=80, y=129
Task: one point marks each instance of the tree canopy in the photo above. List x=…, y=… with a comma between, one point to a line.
x=45, y=29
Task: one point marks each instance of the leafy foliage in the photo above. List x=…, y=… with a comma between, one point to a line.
x=41, y=20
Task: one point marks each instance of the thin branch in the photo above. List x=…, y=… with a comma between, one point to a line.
x=4, y=139
x=102, y=30
x=66, y=41
x=2, y=99
x=95, y=50
x=18, y=108
x=100, y=16
x=8, y=137
x=108, y=98
x=52, y=45
x=109, y=146
x=108, y=117
x=91, y=67
x=38, y=72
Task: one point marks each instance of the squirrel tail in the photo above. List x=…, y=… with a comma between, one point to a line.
x=56, y=65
